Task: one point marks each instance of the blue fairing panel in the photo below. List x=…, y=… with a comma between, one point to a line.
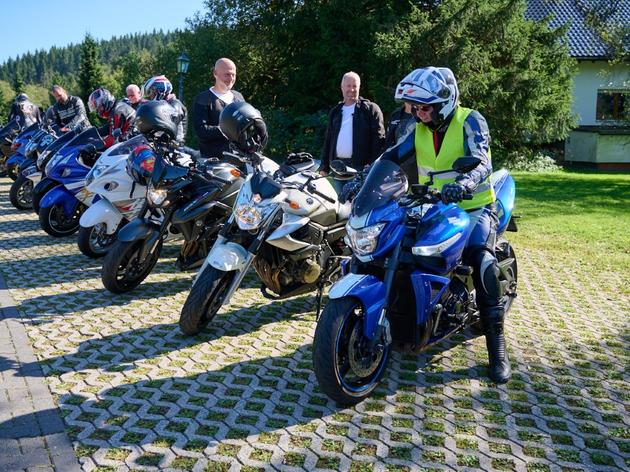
x=60, y=196
x=428, y=289
x=369, y=290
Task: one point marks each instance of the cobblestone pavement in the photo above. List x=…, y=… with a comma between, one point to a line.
x=135, y=394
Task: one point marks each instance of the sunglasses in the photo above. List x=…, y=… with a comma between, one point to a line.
x=424, y=108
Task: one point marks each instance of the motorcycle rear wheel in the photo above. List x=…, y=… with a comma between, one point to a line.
x=204, y=300
x=94, y=242
x=337, y=343
x=21, y=193
x=121, y=271
x=53, y=220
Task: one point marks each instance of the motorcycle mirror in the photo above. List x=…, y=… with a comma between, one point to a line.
x=465, y=164
x=341, y=171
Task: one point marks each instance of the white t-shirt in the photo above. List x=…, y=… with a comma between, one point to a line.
x=227, y=97
x=344, y=140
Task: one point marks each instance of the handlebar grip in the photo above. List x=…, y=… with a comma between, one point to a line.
x=468, y=196
x=312, y=189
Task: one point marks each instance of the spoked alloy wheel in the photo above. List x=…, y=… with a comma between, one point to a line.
x=123, y=270
x=93, y=241
x=346, y=367
x=21, y=193
x=205, y=299
x=54, y=221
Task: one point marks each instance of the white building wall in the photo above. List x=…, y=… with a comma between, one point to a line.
x=591, y=76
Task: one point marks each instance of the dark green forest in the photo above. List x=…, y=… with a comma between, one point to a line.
x=291, y=55
x=62, y=63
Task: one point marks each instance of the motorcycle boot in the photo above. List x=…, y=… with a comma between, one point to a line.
x=499, y=364
x=492, y=314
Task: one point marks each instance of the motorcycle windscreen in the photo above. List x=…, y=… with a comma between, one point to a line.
x=61, y=141
x=127, y=147
x=90, y=135
x=385, y=182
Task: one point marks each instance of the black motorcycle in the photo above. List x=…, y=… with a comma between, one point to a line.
x=193, y=202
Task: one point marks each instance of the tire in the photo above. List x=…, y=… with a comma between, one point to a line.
x=3, y=166
x=121, y=272
x=94, y=242
x=43, y=190
x=54, y=222
x=342, y=320
x=21, y=193
x=204, y=300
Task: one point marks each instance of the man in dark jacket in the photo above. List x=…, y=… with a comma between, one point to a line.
x=69, y=110
x=208, y=106
x=26, y=110
x=355, y=130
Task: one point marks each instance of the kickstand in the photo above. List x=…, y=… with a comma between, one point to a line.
x=318, y=301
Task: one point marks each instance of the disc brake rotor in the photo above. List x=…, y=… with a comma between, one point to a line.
x=363, y=362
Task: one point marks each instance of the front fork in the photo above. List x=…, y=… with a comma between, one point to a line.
x=383, y=331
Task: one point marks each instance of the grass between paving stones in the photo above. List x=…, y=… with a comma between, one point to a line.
x=122, y=373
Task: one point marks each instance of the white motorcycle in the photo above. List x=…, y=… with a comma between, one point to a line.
x=288, y=223
x=118, y=199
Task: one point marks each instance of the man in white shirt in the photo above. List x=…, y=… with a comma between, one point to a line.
x=208, y=105
x=355, y=131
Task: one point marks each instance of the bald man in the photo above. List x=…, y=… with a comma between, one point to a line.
x=355, y=132
x=208, y=106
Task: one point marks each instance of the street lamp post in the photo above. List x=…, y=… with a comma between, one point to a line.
x=182, y=68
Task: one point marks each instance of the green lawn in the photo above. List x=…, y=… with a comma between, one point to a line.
x=583, y=216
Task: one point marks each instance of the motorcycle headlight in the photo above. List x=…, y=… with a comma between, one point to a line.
x=157, y=196
x=364, y=241
x=248, y=216
x=95, y=173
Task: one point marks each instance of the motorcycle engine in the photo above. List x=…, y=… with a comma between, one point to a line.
x=280, y=274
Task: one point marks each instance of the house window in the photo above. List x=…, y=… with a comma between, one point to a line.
x=613, y=105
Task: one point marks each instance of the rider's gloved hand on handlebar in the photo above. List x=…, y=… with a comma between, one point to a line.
x=453, y=192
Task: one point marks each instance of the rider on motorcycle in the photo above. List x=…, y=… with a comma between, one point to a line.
x=28, y=112
x=119, y=115
x=160, y=88
x=444, y=132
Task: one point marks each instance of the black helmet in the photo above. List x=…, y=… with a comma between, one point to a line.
x=157, y=116
x=243, y=125
x=21, y=97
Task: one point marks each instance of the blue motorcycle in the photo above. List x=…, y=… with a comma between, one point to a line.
x=18, y=146
x=406, y=285
x=60, y=209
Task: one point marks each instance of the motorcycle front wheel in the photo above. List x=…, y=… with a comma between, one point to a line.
x=204, y=300
x=54, y=221
x=40, y=190
x=122, y=270
x=346, y=368
x=94, y=242
x=21, y=193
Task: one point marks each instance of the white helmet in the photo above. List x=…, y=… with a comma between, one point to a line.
x=430, y=86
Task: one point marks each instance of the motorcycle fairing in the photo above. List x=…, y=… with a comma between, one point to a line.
x=281, y=236
x=428, y=290
x=505, y=190
x=60, y=196
x=101, y=212
x=369, y=290
x=16, y=159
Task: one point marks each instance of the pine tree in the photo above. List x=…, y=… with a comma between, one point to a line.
x=18, y=81
x=90, y=70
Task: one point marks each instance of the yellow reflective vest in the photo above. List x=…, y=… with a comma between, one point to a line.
x=451, y=149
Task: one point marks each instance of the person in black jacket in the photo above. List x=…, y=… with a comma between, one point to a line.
x=26, y=110
x=208, y=105
x=401, y=123
x=119, y=115
x=355, y=131
x=69, y=110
